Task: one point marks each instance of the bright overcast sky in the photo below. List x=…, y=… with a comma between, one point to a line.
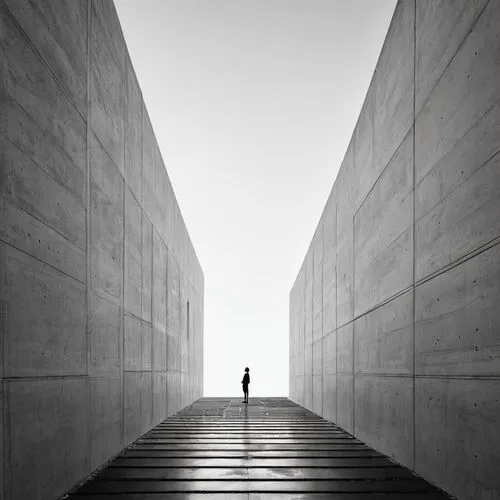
x=253, y=104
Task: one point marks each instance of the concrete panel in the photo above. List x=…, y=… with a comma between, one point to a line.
x=468, y=155
x=174, y=392
x=308, y=303
x=173, y=353
x=462, y=222
x=107, y=69
x=308, y=392
x=384, y=415
x=55, y=410
x=329, y=265
x=159, y=332
x=146, y=348
x=383, y=260
x=25, y=185
x=383, y=338
x=40, y=120
x=132, y=418
x=132, y=343
x=106, y=221
x=51, y=27
x=147, y=267
x=23, y=231
x=160, y=199
x=457, y=318
x=173, y=297
x=345, y=278
x=329, y=293
x=133, y=256
x=308, y=360
x=329, y=410
x=159, y=397
x=317, y=405
x=345, y=402
x=317, y=249
x=441, y=28
x=148, y=149
x=317, y=368
x=44, y=313
x=345, y=211
x=394, y=86
x=184, y=358
x=146, y=395
x=457, y=442
x=345, y=349
x=133, y=131
x=105, y=319
x=2, y=410
x=467, y=89
x=365, y=171
x=106, y=395
x=345, y=189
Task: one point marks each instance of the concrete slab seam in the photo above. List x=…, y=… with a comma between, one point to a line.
x=43, y=170
x=414, y=266
x=122, y=318
x=471, y=29
x=38, y=259
x=465, y=178
x=41, y=58
x=88, y=216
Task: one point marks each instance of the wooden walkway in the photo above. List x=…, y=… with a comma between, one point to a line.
x=270, y=449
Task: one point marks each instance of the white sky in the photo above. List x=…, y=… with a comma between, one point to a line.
x=253, y=104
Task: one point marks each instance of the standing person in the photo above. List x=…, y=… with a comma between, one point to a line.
x=245, y=382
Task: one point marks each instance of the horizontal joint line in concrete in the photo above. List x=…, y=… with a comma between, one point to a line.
x=458, y=377
x=464, y=258
x=45, y=377
x=42, y=261
x=39, y=55
x=473, y=25
x=29, y=213
x=465, y=179
x=383, y=170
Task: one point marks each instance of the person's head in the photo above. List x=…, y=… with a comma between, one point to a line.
x=247, y=369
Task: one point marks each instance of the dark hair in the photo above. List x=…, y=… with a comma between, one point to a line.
x=247, y=369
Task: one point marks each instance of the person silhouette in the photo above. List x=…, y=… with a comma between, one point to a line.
x=245, y=382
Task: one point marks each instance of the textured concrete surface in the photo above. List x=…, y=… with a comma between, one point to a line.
x=96, y=265
x=406, y=287
x=271, y=448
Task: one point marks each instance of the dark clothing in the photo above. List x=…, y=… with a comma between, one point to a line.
x=245, y=382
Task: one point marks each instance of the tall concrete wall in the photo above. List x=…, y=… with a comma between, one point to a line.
x=394, y=317
x=97, y=268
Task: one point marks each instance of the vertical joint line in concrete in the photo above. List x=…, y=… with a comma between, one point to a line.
x=336, y=313
x=304, y=375
x=122, y=361
x=322, y=318
x=413, y=208
x=353, y=301
x=88, y=212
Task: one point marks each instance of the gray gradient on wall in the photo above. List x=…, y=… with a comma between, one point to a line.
x=97, y=268
x=394, y=314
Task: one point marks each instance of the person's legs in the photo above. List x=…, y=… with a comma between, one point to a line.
x=245, y=393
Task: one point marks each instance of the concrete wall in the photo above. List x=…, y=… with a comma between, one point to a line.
x=97, y=267
x=394, y=317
